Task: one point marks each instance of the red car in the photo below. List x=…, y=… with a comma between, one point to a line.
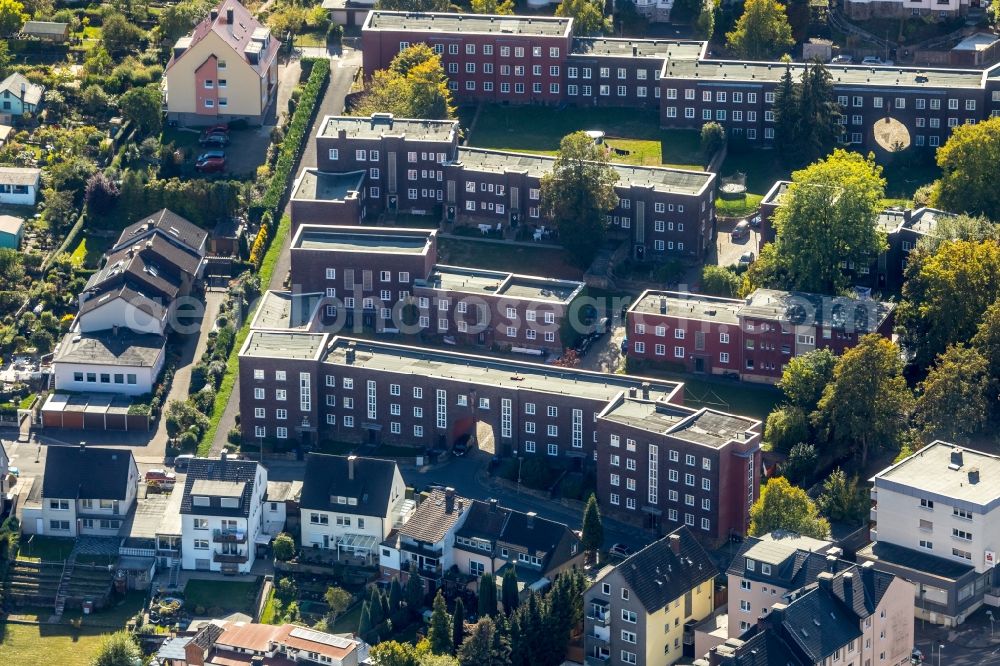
x=211, y=165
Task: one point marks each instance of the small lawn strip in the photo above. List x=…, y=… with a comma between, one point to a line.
x=231, y=596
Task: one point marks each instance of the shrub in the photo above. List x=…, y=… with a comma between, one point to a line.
x=284, y=547
x=786, y=427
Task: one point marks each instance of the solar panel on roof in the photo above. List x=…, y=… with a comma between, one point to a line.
x=320, y=637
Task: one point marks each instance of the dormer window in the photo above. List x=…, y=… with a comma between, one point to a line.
x=229, y=503
x=751, y=565
x=341, y=499
x=200, y=500
x=765, y=569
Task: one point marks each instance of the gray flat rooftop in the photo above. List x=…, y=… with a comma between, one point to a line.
x=660, y=179
x=315, y=185
x=689, y=306
x=466, y=280
x=797, y=307
x=711, y=428
x=647, y=414
x=540, y=289
x=841, y=75
x=488, y=371
x=470, y=23
x=776, y=547
x=283, y=345
x=158, y=513
x=107, y=348
x=380, y=125
x=705, y=427
x=355, y=239
x=925, y=220
x=283, y=309
x=637, y=48
x=931, y=471
x=212, y=488
x=777, y=192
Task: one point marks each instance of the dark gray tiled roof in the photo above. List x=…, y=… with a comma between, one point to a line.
x=435, y=516
x=657, y=576
x=212, y=469
x=167, y=222
x=819, y=624
x=327, y=476
x=75, y=472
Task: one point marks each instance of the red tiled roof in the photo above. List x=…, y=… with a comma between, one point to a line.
x=237, y=34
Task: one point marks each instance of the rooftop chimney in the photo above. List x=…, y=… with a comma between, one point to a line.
x=974, y=475
x=675, y=544
x=224, y=456
x=849, y=589
x=449, y=499
x=350, y=467
x=531, y=519
x=663, y=305
x=907, y=214
x=229, y=15
x=645, y=390
x=493, y=506
x=825, y=580
x=350, y=354
x=214, y=14
x=831, y=563
x=83, y=446
x=956, y=457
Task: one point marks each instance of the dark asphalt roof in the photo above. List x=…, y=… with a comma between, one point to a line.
x=913, y=559
x=762, y=648
x=327, y=476
x=800, y=568
x=434, y=517
x=819, y=624
x=167, y=222
x=125, y=349
x=214, y=469
x=657, y=576
x=74, y=472
x=127, y=293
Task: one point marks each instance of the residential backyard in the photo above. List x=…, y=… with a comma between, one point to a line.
x=227, y=596
x=539, y=129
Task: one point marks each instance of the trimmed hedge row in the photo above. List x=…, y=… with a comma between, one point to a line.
x=295, y=138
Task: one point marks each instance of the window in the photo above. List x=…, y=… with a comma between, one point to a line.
x=961, y=534
x=927, y=504
x=926, y=544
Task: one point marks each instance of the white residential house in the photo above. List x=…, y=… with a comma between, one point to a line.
x=19, y=185
x=350, y=504
x=222, y=515
x=19, y=96
x=86, y=491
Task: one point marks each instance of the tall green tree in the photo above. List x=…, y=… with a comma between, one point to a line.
x=704, y=25
x=414, y=594
x=365, y=624
x=374, y=606
x=819, y=113
x=12, y=17
x=497, y=7
x=119, y=35
x=719, y=281
x=945, y=295
x=143, y=107
x=440, y=631
x=118, y=649
x=413, y=86
x=713, y=138
x=842, y=499
x=337, y=599
x=959, y=227
x=458, y=623
x=786, y=426
x=395, y=596
x=487, y=595
x=588, y=16
x=592, y=533
x=867, y=405
x=484, y=646
x=805, y=377
x=508, y=590
x=762, y=32
x=968, y=162
x=952, y=401
x=987, y=342
x=827, y=217
x=782, y=506
x=578, y=194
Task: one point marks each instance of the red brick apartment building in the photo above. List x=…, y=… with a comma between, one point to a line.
x=658, y=463
x=417, y=166
x=751, y=338
x=536, y=60
x=385, y=280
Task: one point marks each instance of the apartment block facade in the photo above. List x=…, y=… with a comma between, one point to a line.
x=936, y=523
x=536, y=60
x=752, y=338
x=417, y=166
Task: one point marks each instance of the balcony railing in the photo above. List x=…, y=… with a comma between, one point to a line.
x=594, y=660
x=230, y=558
x=229, y=536
x=600, y=619
x=596, y=637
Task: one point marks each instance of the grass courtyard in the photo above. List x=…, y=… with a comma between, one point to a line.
x=224, y=595
x=523, y=259
x=539, y=129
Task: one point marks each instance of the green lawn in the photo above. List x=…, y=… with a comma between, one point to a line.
x=311, y=38
x=738, y=207
x=230, y=596
x=539, y=129
x=754, y=400
x=904, y=177
x=88, y=252
x=348, y=622
x=525, y=259
x=45, y=549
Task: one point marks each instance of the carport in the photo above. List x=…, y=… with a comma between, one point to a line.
x=362, y=545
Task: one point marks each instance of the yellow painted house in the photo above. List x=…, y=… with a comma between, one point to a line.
x=225, y=70
x=642, y=611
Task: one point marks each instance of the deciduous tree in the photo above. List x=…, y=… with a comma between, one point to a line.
x=338, y=599
x=842, y=500
x=762, y=32
x=12, y=17
x=968, y=162
x=588, y=16
x=143, y=107
x=782, y=506
x=414, y=86
x=713, y=138
x=719, y=281
x=952, y=401
x=284, y=547
x=578, y=194
x=828, y=216
x=500, y=7
x=867, y=405
x=805, y=377
x=959, y=227
x=119, y=35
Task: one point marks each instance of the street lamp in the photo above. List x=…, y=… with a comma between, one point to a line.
x=989, y=614
x=940, y=650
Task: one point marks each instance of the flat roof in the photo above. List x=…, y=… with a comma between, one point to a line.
x=932, y=470
x=124, y=349
x=316, y=185
x=481, y=281
x=540, y=289
x=213, y=488
x=841, y=75
x=689, y=306
x=648, y=415
x=798, y=307
x=490, y=371
x=661, y=179
x=385, y=124
x=284, y=309
x=363, y=239
x=637, y=48
x=776, y=547
x=273, y=344
x=469, y=23
x=712, y=428
x=977, y=42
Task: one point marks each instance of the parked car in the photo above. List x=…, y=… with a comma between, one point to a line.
x=461, y=446
x=620, y=550
x=216, y=129
x=182, y=461
x=742, y=228
x=160, y=477
x=755, y=221
x=842, y=59
x=916, y=657
x=211, y=154
x=871, y=60
x=746, y=259
x=624, y=346
x=211, y=165
x=217, y=139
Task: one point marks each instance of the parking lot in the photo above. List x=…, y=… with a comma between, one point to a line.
x=728, y=248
